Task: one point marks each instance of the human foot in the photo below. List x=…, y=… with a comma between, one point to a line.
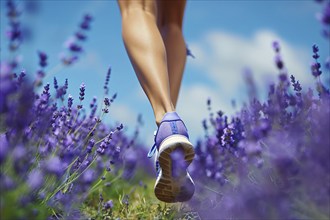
x=174, y=155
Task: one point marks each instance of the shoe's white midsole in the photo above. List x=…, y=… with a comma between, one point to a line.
x=176, y=138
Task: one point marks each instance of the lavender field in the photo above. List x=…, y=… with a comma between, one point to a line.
x=61, y=158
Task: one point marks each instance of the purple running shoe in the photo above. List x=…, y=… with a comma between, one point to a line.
x=174, y=154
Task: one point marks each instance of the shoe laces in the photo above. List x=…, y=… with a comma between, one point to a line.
x=157, y=164
x=153, y=149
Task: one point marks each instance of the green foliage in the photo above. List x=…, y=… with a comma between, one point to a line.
x=141, y=202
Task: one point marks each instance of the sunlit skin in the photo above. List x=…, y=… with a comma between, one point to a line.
x=152, y=34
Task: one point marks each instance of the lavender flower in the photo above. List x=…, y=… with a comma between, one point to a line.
x=316, y=66
x=42, y=59
x=61, y=90
x=15, y=33
x=93, y=107
x=88, y=18
x=82, y=92
x=276, y=46
x=106, y=88
x=120, y=127
x=257, y=155
x=324, y=19
x=85, y=25
x=295, y=84
x=325, y=16
x=90, y=145
x=21, y=77
x=55, y=83
x=74, y=47
x=35, y=179
x=80, y=36
x=70, y=102
x=315, y=51
x=108, y=204
x=74, y=43
x=226, y=138
x=107, y=102
x=113, y=97
x=66, y=84
x=89, y=176
x=53, y=165
x=279, y=62
x=188, y=52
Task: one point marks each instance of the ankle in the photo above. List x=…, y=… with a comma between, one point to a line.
x=160, y=115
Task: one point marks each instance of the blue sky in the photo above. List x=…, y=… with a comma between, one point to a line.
x=225, y=37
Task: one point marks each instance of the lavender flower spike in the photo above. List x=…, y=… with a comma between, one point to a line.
x=106, y=88
x=42, y=59
x=108, y=204
x=82, y=91
x=188, y=52
x=316, y=66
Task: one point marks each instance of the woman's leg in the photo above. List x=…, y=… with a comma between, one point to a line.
x=147, y=52
x=169, y=19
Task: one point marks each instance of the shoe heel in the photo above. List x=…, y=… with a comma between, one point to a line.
x=174, y=183
x=173, y=143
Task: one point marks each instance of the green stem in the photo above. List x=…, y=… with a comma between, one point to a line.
x=69, y=182
x=101, y=139
x=99, y=182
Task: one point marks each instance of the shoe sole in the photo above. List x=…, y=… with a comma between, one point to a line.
x=174, y=183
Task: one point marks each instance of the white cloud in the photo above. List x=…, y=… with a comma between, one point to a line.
x=224, y=55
